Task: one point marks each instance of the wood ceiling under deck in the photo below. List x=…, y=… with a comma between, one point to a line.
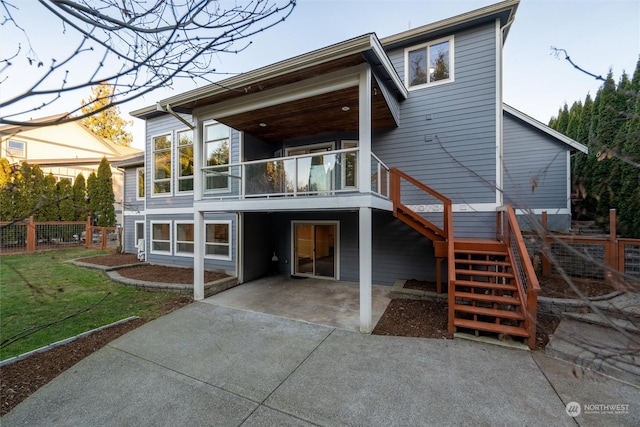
x=312, y=116
x=308, y=116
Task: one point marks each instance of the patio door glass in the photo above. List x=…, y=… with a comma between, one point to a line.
x=315, y=249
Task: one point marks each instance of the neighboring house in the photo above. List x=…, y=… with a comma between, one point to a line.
x=319, y=158
x=64, y=150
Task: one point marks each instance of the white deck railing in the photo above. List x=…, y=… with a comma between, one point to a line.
x=329, y=173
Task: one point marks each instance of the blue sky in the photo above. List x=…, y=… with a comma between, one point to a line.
x=598, y=34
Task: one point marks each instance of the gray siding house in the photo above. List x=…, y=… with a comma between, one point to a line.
x=363, y=161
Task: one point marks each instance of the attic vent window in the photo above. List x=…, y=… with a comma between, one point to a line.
x=429, y=64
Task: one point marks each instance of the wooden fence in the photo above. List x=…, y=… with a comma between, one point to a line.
x=608, y=257
x=30, y=235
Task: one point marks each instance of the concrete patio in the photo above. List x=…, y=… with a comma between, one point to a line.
x=323, y=302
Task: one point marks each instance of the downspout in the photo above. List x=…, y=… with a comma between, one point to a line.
x=168, y=109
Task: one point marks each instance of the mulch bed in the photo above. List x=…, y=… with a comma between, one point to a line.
x=164, y=274
x=112, y=260
x=20, y=379
x=557, y=287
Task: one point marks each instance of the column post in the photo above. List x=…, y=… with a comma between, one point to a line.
x=365, y=251
x=198, y=255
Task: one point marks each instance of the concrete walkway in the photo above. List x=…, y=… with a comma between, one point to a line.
x=207, y=364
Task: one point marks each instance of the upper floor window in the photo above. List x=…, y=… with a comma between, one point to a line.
x=216, y=152
x=429, y=63
x=161, y=164
x=185, y=160
x=140, y=183
x=16, y=148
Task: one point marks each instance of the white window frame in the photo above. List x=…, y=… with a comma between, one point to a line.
x=230, y=244
x=153, y=166
x=16, y=152
x=144, y=183
x=152, y=240
x=204, y=153
x=136, y=236
x=176, y=251
x=426, y=46
x=177, y=161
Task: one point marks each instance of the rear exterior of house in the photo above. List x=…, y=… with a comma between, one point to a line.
x=362, y=161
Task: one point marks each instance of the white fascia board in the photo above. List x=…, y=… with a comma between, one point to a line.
x=453, y=21
x=336, y=51
x=546, y=129
x=378, y=50
x=549, y=211
x=169, y=211
x=294, y=204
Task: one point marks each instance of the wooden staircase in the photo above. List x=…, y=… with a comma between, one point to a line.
x=492, y=285
x=486, y=296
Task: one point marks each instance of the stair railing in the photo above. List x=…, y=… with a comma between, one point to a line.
x=508, y=231
x=397, y=176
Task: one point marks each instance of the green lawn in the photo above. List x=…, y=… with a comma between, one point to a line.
x=40, y=288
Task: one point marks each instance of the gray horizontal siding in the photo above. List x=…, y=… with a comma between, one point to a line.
x=131, y=202
x=129, y=232
x=400, y=252
x=453, y=152
x=535, y=167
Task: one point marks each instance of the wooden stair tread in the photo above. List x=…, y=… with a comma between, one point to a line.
x=483, y=311
x=486, y=285
x=487, y=262
x=480, y=252
x=486, y=273
x=488, y=298
x=491, y=327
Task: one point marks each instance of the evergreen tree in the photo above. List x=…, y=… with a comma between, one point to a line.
x=7, y=190
x=92, y=198
x=106, y=122
x=563, y=119
x=64, y=194
x=575, y=114
x=609, y=177
x=107, y=198
x=49, y=208
x=80, y=198
x=101, y=197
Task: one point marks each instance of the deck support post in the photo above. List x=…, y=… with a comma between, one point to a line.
x=198, y=255
x=365, y=270
x=364, y=183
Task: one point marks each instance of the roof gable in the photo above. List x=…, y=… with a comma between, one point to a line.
x=575, y=145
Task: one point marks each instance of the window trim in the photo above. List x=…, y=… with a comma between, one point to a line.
x=10, y=151
x=177, y=161
x=153, y=166
x=426, y=46
x=152, y=240
x=175, y=241
x=144, y=183
x=204, y=153
x=135, y=232
x=230, y=244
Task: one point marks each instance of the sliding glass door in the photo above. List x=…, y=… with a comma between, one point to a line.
x=315, y=249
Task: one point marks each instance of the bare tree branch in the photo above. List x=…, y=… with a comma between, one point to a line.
x=136, y=46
